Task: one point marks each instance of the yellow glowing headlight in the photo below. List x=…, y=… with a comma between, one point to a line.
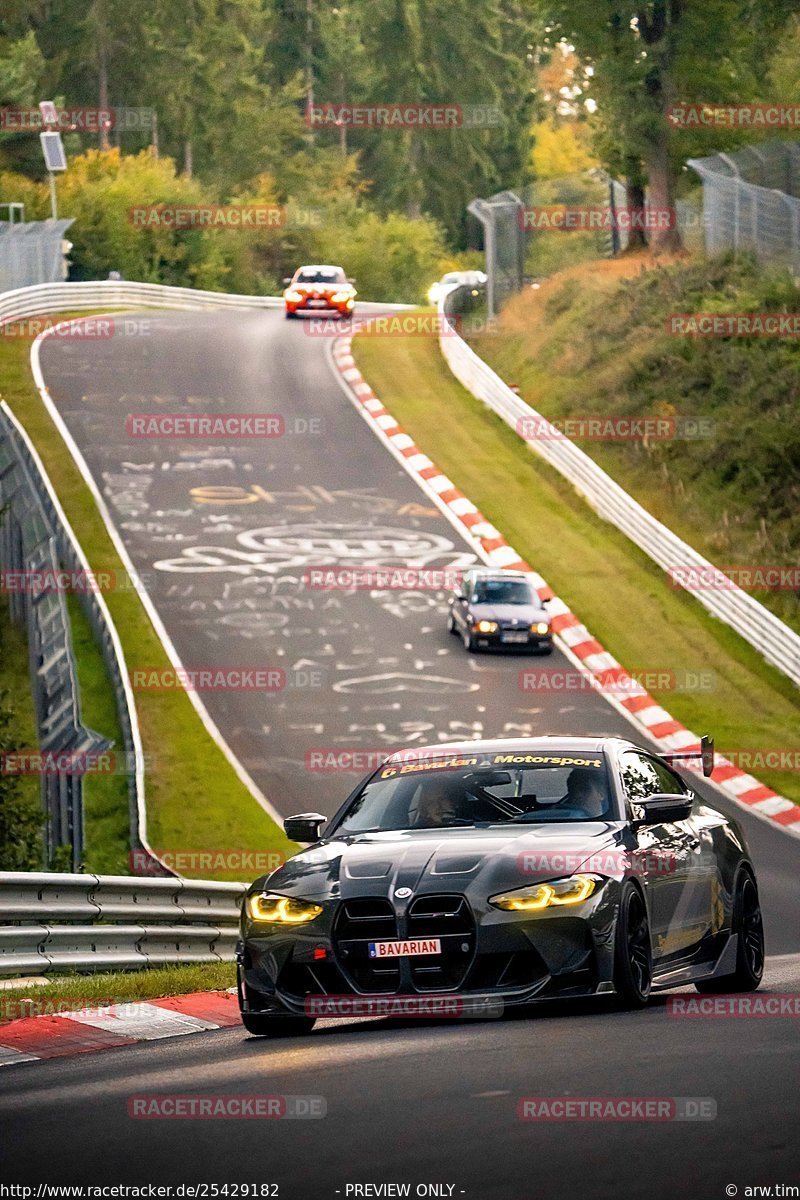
x=341, y=297
x=541, y=627
x=486, y=627
x=546, y=895
x=292, y=296
x=281, y=910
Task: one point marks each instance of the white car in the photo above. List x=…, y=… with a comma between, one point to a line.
x=475, y=280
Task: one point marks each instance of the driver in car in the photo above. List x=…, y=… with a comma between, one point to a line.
x=436, y=805
x=586, y=791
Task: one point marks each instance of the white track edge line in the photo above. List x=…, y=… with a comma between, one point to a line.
x=207, y=720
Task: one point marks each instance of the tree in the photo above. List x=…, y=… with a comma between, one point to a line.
x=647, y=56
x=784, y=67
x=21, y=70
x=439, y=52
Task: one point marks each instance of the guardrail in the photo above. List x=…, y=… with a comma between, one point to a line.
x=34, y=542
x=778, y=644
x=46, y=298
x=56, y=923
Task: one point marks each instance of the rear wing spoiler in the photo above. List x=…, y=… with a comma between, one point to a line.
x=704, y=759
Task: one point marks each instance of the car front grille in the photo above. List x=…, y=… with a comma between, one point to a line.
x=450, y=919
x=358, y=923
x=367, y=920
x=447, y=917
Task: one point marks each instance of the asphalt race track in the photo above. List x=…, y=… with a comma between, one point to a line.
x=412, y=1102
x=364, y=671
x=422, y=1104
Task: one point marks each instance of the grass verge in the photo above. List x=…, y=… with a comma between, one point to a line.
x=105, y=796
x=195, y=800
x=601, y=339
x=16, y=699
x=72, y=992
x=622, y=596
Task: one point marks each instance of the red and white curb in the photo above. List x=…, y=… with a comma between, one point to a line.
x=62, y=1034
x=572, y=637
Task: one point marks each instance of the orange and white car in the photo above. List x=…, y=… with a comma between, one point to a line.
x=319, y=289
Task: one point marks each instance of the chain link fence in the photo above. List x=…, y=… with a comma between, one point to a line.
x=32, y=252
x=501, y=217
x=518, y=244
x=751, y=201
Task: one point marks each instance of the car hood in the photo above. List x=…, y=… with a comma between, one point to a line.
x=480, y=861
x=525, y=614
x=326, y=289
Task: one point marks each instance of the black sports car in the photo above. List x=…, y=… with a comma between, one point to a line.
x=499, y=609
x=508, y=872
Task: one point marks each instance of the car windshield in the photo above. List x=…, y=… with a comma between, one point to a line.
x=504, y=591
x=495, y=789
x=320, y=275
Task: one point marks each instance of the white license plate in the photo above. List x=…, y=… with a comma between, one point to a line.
x=318, y=304
x=408, y=949
x=514, y=637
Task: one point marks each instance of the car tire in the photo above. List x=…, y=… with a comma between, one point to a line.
x=290, y=316
x=451, y=625
x=749, y=925
x=633, y=953
x=276, y=1026
x=469, y=642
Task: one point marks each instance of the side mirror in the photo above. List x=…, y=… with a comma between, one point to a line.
x=665, y=807
x=304, y=827
x=287, y=280
x=350, y=280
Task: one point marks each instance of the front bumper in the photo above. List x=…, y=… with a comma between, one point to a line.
x=515, y=958
x=497, y=641
x=319, y=309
